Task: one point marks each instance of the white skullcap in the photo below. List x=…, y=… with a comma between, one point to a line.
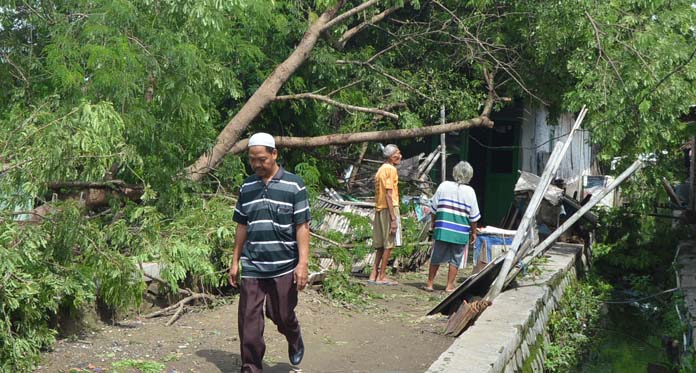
x=263, y=139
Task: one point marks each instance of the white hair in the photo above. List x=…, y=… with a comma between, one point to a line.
x=462, y=172
x=389, y=150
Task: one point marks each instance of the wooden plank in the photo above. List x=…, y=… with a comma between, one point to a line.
x=430, y=165
x=347, y=203
x=465, y=315
x=670, y=192
x=475, y=285
x=427, y=161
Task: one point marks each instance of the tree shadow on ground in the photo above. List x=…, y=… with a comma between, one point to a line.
x=230, y=362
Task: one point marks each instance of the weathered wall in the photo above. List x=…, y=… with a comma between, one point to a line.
x=538, y=138
x=508, y=336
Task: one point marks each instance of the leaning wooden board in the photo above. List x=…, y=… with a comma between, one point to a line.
x=476, y=285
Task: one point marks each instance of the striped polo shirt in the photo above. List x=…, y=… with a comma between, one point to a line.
x=271, y=213
x=454, y=206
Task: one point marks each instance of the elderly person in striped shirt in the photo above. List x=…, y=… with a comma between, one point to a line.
x=272, y=245
x=455, y=212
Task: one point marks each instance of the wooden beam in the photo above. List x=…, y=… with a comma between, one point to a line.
x=692, y=176
x=670, y=192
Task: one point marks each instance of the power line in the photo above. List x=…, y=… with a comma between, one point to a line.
x=640, y=299
x=511, y=147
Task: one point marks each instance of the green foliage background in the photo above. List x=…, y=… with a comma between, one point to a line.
x=135, y=91
x=633, y=259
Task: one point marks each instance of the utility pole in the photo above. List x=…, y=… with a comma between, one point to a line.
x=443, y=147
x=692, y=176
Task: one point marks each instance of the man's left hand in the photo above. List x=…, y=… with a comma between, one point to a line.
x=301, y=276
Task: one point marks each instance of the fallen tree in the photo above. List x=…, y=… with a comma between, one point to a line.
x=267, y=92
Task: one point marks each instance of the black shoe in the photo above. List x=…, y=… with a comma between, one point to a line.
x=296, y=357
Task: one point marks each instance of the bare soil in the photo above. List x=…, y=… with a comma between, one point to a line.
x=390, y=334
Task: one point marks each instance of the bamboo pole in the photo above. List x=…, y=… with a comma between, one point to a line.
x=430, y=166
x=692, y=176
x=356, y=166
x=427, y=161
x=443, y=148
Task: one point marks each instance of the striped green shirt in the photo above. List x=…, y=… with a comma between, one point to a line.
x=271, y=213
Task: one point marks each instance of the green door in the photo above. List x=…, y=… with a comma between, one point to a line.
x=495, y=157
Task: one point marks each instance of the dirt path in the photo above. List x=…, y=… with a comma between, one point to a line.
x=391, y=335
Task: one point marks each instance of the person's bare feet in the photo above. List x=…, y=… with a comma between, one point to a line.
x=386, y=281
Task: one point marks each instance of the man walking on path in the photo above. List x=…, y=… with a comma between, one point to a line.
x=456, y=212
x=387, y=223
x=271, y=252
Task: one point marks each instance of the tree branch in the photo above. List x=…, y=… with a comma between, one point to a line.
x=351, y=138
x=342, y=17
x=262, y=97
x=488, y=105
x=110, y=184
x=602, y=53
x=353, y=31
x=179, y=306
x=387, y=75
x=344, y=87
x=330, y=101
x=337, y=244
x=488, y=50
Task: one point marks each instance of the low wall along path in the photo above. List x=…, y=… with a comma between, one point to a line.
x=509, y=335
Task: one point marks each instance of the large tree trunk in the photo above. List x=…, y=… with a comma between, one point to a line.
x=261, y=98
x=388, y=135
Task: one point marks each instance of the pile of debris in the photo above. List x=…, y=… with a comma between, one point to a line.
x=334, y=210
x=359, y=177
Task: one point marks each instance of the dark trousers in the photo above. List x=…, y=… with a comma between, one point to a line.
x=280, y=296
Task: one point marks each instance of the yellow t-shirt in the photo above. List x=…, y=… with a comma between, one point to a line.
x=386, y=178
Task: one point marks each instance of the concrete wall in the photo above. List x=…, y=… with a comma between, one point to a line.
x=508, y=336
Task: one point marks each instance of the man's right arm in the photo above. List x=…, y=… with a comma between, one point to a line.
x=239, y=239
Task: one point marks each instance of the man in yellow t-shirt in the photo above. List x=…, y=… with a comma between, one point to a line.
x=387, y=223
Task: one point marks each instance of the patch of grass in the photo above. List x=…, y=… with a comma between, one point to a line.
x=173, y=356
x=143, y=366
x=534, y=269
x=619, y=353
x=573, y=324
x=413, y=276
x=339, y=287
